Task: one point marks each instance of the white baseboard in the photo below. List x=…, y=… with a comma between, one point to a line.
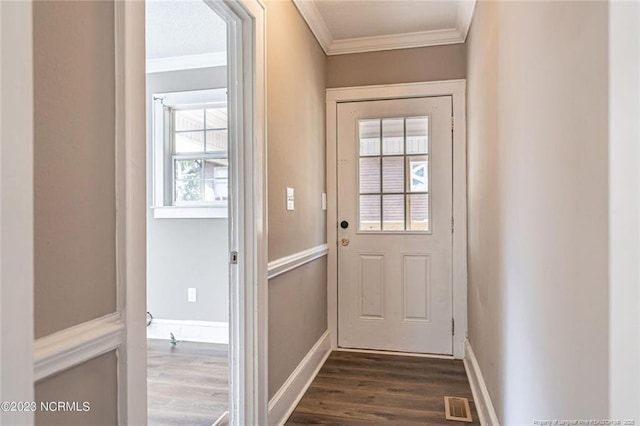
x=189, y=331
x=481, y=397
x=286, y=399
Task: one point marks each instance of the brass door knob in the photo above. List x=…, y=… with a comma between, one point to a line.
x=344, y=242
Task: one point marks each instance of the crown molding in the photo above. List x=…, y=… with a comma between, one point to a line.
x=331, y=46
x=315, y=21
x=464, y=17
x=395, y=41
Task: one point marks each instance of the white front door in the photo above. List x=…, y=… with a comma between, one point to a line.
x=394, y=225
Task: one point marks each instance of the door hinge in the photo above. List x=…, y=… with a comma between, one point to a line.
x=452, y=224
x=451, y=124
x=233, y=258
x=453, y=326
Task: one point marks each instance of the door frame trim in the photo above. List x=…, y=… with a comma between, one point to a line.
x=454, y=88
x=249, y=399
x=16, y=208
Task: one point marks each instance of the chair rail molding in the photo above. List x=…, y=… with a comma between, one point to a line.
x=76, y=345
x=296, y=260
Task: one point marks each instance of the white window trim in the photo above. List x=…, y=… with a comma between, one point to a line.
x=163, y=207
x=195, y=212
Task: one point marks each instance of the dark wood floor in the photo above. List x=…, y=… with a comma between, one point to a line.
x=187, y=384
x=370, y=389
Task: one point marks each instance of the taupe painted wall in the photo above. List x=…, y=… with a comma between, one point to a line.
x=538, y=200
x=183, y=253
x=397, y=66
x=74, y=194
x=95, y=382
x=74, y=181
x=297, y=318
x=296, y=128
x=296, y=158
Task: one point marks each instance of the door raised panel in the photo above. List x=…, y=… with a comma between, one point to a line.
x=371, y=284
x=416, y=285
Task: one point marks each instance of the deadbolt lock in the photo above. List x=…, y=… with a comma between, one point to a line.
x=344, y=242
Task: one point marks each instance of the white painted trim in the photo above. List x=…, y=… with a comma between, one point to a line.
x=16, y=207
x=393, y=353
x=177, y=212
x=460, y=219
x=223, y=419
x=332, y=46
x=456, y=89
x=255, y=400
x=464, y=17
x=247, y=211
x=292, y=390
x=395, y=41
x=76, y=345
x=163, y=105
x=187, y=62
x=131, y=209
x=624, y=209
x=248, y=299
x=481, y=397
x=314, y=20
x=189, y=331
x=396, y=91
x=296, y=260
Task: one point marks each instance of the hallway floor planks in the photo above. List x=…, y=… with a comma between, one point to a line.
x=186, y=384
x=357, y=389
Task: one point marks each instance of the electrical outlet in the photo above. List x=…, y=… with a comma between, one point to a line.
x=191, y=295
x=324, y=201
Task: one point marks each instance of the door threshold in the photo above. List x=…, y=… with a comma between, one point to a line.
x=379, y=352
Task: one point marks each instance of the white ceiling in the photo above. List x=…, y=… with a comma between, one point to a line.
x=350, y=26
x=186, y=29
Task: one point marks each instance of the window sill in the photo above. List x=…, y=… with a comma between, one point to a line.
x=180, y=212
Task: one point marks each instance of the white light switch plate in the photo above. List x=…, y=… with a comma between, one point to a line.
x=324, y=201
x=290, y=199
x=191, y=295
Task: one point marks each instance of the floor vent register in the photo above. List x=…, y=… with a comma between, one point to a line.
x=457, y=409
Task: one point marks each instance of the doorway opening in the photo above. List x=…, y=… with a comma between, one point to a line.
x=189, y=171
x=395, y=207
x=368, y=220
x=248, y=392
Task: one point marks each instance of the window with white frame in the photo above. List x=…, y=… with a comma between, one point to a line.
x=191, y=161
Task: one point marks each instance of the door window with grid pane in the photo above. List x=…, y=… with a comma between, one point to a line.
x=393, y=174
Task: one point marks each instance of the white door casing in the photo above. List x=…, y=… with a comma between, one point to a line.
x=16, y=208
x=395, y=286
x=454, y=88
x=124, y=330
x=248, y=299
